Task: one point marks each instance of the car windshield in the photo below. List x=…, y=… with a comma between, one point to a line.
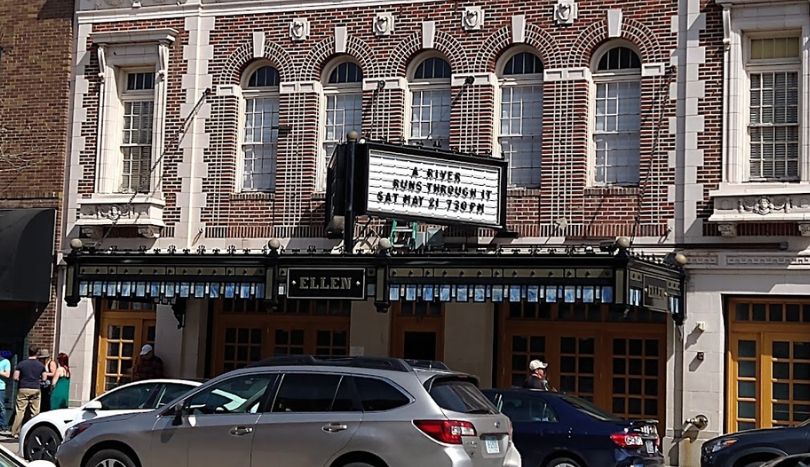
x=7, y=461
x=589, y=409
x=805, y=423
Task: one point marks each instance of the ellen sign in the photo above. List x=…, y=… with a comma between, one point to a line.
x=437, y=187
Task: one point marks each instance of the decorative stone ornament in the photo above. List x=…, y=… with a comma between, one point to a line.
x=384, y=24
x=565, y=12
x=727, y=229
x=804, y=229
x=299, y=29
x=472, y=19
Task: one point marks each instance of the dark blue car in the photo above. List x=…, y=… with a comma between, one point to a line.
x=753, y=448
x=551, y=429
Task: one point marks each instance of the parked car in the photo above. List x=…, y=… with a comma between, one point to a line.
x=552, y=429
x=41, y=436
x=752, y=448
x=306, y=412
x=798, y=460
x=8, y=459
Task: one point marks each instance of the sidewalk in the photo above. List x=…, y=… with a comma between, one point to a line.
x=9, y=443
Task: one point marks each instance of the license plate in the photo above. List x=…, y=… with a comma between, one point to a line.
x=650, y=447
x=492, y=445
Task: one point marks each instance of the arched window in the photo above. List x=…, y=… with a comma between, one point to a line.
x=260, y=143
x=521, y=118
x=430, y=103
x=617, y=117
x=343, y=93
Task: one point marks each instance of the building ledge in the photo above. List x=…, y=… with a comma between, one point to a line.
x=775, y=203
x=121, y=210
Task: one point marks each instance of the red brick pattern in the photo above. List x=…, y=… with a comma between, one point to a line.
x=295, y=208
x=35, y=66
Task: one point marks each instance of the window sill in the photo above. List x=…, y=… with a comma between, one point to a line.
x=253, y=196
x=121, y=209
x=612, y=191
x=518, y=191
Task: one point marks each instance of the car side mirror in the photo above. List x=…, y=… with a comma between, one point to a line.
x=92, y=406
x=179, y=411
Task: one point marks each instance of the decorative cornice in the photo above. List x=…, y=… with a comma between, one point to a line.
x=147, y=36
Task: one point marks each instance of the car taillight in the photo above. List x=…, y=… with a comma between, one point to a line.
x=627, y=440
x=446, y=431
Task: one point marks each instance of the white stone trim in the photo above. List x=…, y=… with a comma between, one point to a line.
x=653, y=69
x=518, y=29
x=341, y=37
x=479, y=79
x=567, y=74
x=428, y=34
x=294, y=87
x=149, y=36
x=226, y=90
x=614, y=21
x=396, y=82
x=258, y=44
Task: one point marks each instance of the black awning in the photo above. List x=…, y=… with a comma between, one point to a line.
x=26, y=254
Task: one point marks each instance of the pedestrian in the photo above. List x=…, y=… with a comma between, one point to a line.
x=60, y=383
x=29, y=373
x=5, y=374
x=148, y=366
x=44, y=357
x=537, y=376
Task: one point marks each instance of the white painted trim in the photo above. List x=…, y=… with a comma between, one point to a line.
x=258, y=44
x=479, y=79
x=614, y=20
x=567, y=74
x=150, y=36
x=653, y=69
x=518, y=29
x=235, y=8
x=225, y=90
x=428, y=34
x=294, y=87
x=396, y=82
x=341, y=37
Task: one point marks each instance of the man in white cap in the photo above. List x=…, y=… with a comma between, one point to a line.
x=537, y=376
x=148, y=366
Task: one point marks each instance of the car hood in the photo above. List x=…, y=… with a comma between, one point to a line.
x=759, y=434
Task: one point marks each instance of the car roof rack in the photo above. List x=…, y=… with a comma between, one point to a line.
x=427, y=364
x=376, y=363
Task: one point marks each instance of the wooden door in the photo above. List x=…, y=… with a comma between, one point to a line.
x=417, y=330
x=124, y=329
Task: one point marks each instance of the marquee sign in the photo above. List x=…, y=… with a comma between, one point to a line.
x=331, y=283
x=435, y=186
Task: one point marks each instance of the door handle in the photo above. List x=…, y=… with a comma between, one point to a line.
x=241, y=430
x=334, y=427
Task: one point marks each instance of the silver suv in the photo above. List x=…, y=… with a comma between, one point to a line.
x=306, y=412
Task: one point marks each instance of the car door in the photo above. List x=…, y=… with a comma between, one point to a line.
x=537, y=430
x=216, y=427
x=126, y=399
x=169, y=392
x=312, y=417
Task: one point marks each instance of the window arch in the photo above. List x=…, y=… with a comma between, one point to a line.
x=521, y=118
x=617, y=103
x=343, y=104
x=430, y=103
x=260, y=140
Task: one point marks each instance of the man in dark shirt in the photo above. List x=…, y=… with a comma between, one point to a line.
x=29, y=373
x=537, y=376
x=149, y=365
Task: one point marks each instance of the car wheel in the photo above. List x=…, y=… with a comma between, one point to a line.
x=753, y=464
x=110, y=458
x=357, y=464
x=41, y=444
x=563, y=462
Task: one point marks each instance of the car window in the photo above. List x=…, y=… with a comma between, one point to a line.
x=377, y=395
x=527, y=409
x=460, y=396
x=306, y=393
x=589, y=409
x=170, y=392
x=133, y=397
x=241, y=394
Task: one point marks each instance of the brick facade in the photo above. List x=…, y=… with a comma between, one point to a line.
x=295, y=209
x=35, y=71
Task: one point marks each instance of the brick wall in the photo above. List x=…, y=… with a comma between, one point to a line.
x=295, y=208
x=35, y=38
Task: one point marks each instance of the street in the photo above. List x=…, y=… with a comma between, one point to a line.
x=9, y=443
